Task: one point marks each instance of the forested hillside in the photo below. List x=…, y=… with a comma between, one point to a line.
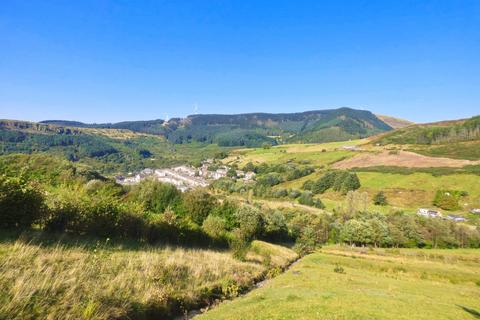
x=255, y=129
x=109, y=151
x=435, y=133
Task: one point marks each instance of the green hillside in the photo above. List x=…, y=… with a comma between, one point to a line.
x=255, y=129
x=434, y=133
x=106, y=150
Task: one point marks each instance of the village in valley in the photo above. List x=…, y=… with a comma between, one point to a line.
x=186, y=177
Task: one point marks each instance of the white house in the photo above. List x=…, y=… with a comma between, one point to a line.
x=475, y=211
x=429, y=213
x=456, y=218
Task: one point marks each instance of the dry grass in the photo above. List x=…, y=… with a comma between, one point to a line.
x=57, y=282
x=400, y=159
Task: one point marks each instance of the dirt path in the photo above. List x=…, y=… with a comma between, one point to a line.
x=400, y=159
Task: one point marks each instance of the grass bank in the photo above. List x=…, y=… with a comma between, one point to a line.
x=340, y=283
x=106, y=281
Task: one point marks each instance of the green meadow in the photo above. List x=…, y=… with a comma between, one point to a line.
x=344, y=283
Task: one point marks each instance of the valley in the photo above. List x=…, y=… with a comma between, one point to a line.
x=163, y=227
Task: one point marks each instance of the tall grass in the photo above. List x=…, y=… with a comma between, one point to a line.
x=59, y=282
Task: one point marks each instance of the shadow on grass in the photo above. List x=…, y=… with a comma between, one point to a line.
x=473, y=312
x=67, y=240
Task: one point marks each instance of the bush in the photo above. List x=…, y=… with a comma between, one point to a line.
x=214, y=226
x=307, y=199
x=338, y=269
x=380, y=199
x=250, y=221
x=276, y=225
x=447, y=199
x=280, y=193
x=21, y=203
x=342, y=181
x=198, y=204
x=226, y=210
x=156, y=196
x=240, y=244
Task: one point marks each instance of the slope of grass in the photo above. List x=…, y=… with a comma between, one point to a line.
x=315, y=154
x=109, y=282
x=376, y=284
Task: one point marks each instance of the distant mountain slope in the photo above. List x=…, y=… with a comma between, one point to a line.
x=253, y=129
x=107, y=150
x=395, y=123
x=434, y=133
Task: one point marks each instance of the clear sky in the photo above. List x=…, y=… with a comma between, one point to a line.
x=106, y=61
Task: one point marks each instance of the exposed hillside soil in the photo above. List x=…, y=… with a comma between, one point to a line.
x=395, y=123
x=401, y=159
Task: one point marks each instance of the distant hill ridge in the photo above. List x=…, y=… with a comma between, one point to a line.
x=442, y=132
x=253, y=129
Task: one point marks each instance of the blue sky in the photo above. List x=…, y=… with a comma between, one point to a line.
x=106, y=61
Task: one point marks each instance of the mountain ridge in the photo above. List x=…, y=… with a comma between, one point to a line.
x=253, y=129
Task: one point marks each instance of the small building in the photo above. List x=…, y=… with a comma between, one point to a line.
x=429, y=213
x=250, y=175
x=456, y=218
x=475, y=211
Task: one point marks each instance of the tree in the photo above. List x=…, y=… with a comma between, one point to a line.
x=249, y=167
x=21, y=203
x=156, y=196
x=275, y=225
x=266, y=145
x=250, y=221
x=214, y=226
x=232, y=173
x=198, y=204
x=380, y=199
x=226, y=210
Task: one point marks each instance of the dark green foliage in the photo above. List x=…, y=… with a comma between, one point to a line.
x=215, y=227
x=280, y=193
x=232, y=173
x=198, y=204
x=249, y=167
x=156, y=196
x=275, y=225
x=380, y=199
x=21, y=203
x=270, y=179
x=240, y=244
x=341, y=181
x=306, y=198
x=227, y=211
x=250, y=221
x=339, y=269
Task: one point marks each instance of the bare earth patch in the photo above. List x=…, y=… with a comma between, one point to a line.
x=401, y=159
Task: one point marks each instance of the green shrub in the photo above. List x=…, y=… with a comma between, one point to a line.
x=21, y=203
x=380, y=199
x=447, y=199
x=275, y=225
x=338, y=269
x=214, y=226
x=155, y=196
x=250, y=221
x=226, y=210
x=239, y=244
x=198, y=204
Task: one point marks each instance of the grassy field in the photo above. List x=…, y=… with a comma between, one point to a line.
x=65, y=281
x=316, y=154
x=344, y=283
